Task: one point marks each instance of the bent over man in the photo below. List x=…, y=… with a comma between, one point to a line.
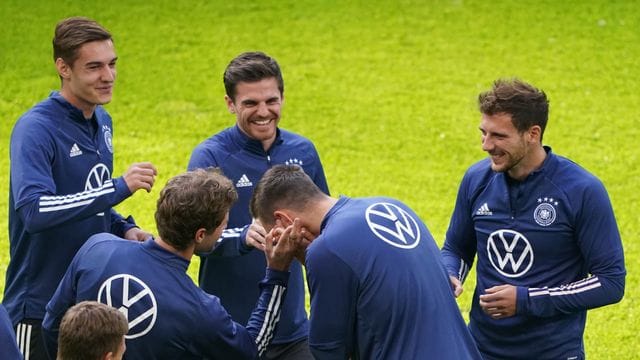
x=378, y=287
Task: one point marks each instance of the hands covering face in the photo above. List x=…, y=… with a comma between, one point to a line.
x=295, y=233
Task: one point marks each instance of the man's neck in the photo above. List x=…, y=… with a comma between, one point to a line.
x=319, y=211
x=532, y=162
x=186, y=253
x=87, y=109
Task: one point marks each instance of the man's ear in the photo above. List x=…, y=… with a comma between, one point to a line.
x=230, y=105
x=283, y=216
x=534, y=133
x=64, y=70
x=108, y=356
x=200, y=234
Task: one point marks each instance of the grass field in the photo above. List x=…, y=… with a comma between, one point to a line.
x=386, y=90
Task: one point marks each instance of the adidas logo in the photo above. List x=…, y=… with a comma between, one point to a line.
x=484, y=210
x=244, y=181
x=75, y=150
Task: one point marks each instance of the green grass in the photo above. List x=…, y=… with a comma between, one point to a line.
x=386, y=90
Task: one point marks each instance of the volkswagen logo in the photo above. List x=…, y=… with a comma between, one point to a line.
x=132, y=297
x=393, y=225
x=510, y=253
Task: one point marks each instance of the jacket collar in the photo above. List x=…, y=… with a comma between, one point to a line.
x=252, y=145
x=75, y=113
x=166, y=256
x=342, y=200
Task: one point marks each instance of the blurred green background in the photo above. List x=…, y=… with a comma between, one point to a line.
x=385, y=89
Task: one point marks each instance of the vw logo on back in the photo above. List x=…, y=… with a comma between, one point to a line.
x=134, y=299
x=393, y=225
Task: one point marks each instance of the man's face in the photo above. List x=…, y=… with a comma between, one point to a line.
x=257, y=107
x=210, y=241
x=89, y=80
x=501, y=140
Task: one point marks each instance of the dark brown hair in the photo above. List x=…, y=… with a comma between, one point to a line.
x=89, y=330
x=72, y=33
x=282, y=186
x=251, y=67
x=527, y=105
x=191, y=201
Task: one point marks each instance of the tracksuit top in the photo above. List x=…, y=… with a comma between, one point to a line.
x=555, y=237
x=169, y=316
x=61, y=192
x=379, y=289
x=232, y=269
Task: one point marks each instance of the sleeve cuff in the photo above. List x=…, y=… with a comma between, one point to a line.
x=243, y=248
x=122, y=190
x=522, y=300
x=276, y=277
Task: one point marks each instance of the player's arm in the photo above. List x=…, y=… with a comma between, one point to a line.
x=239, y=241
x=232, y=342
x=333, y=288
x=600, y=245
x=37, y=201
x=460, y=244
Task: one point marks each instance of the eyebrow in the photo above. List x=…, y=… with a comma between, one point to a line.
x=91, y=63
x=254, y=101
x=493, y=133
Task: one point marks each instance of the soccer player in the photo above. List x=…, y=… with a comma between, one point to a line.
x=169, y=316
x=61, y=188
x=543, y=230
x=378, y=287
x=255, y=94
x=92, y=331
x=8, y=342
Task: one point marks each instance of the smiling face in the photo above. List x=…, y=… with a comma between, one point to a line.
x=257, y=106
x=507, y=147
x=88, y=82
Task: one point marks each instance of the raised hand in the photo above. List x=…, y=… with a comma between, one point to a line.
x=140, y=176
x=282, y=245
x=256, y=235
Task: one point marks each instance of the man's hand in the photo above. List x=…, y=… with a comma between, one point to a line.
x=456, y=285
x=306, y=240
x=499, y=301
x=140, y=176
x=137, y=234
x=256, y=235
x=281, y=245
x=296, y=230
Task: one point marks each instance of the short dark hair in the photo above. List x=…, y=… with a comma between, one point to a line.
x=72, y=33
x=527, y=105
x=251, y=67
x=89, y=330
x=282, y=186
x=190, y=201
